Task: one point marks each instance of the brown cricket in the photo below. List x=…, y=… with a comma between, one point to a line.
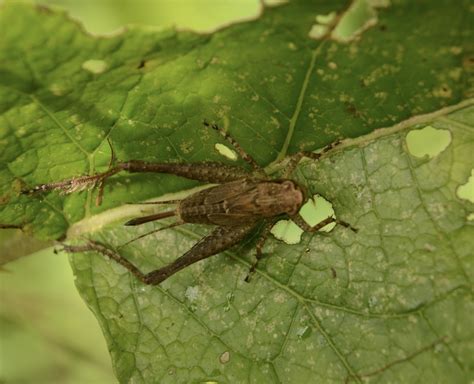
x=241, y=201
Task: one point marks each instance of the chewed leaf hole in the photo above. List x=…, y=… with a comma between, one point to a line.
x=274, y=3
x=466, y=191
x=287, y=231
x=226, y=151
x=428, y=141
x=360, y=16
x=94, y=66
x=317, y=209
x=313, y=212
x=319, y=29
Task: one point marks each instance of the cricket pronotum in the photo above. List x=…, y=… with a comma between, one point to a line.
x=240, y=202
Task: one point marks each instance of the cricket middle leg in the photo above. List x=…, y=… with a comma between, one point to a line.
x=259, y=248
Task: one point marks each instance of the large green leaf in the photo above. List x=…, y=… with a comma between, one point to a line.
x=391, y=302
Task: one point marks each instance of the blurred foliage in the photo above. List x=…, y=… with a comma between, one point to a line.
x=47, y=333
x=108, y=16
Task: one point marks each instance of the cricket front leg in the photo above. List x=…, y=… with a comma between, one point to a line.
x=300, y=222
x=296, y=157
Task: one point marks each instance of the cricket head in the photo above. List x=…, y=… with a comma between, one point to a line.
x=292, y=197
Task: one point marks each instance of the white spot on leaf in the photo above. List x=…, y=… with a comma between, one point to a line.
x=192, y=293
x=225, y=357
x=94, y=66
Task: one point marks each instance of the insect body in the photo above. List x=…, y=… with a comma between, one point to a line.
x=239, y=204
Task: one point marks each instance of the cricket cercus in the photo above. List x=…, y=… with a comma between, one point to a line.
x=238, y=205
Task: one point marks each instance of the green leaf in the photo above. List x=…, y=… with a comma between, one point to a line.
x=391, y=302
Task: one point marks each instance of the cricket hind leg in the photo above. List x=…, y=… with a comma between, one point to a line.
x=211, y=172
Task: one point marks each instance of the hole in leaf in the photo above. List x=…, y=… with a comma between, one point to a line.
x=466, y=191
x=317, y=209
x=303, y=332
x=326, y=19
x=428, y=141
x=287, y=231
x=470, y=217
x=94, y=66
x=319, y=29
x=226, y=151
x=313, y=212
x=360, y=16
x=274, y=3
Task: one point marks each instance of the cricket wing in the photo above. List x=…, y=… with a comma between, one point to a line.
x=223, y=192
x=232, y=219
x=218, y=240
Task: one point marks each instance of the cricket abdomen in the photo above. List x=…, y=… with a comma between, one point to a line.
x=199, y=213
x=241, y=202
